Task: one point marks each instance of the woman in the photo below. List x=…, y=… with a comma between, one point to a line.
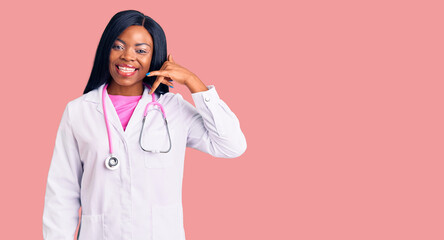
x=129, y=183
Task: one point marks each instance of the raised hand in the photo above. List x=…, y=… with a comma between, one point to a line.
x=169, y=72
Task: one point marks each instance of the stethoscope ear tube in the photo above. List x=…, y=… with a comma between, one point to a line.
x=168, y=133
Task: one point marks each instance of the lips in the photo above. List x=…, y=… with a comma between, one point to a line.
x=126, y=67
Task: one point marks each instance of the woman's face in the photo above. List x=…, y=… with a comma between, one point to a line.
x=132, y=49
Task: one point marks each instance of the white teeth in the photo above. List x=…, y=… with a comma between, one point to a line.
x=124, y=69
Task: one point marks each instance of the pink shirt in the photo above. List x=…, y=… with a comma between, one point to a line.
x=124, y=106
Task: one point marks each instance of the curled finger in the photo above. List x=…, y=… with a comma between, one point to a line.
x=168, y=81
x=156, y=84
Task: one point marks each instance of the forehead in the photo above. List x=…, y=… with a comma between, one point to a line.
x=136, y=34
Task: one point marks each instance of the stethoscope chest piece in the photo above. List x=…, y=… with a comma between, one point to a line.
x=112, y=163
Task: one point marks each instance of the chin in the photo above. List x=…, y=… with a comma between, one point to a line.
x=126, y=82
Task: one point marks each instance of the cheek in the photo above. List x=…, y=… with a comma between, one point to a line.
x=146, y=63
x=113, y=56
x=111, y=67
x=112, y=59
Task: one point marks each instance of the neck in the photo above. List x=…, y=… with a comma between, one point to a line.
x=133, y=90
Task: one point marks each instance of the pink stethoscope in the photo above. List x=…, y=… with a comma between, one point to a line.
x=111, y=161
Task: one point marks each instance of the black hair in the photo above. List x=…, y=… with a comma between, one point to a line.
x=118, y=23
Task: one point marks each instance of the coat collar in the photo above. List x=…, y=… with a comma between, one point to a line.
x=95, y=96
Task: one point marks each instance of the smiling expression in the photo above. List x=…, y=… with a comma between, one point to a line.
x=130, y=56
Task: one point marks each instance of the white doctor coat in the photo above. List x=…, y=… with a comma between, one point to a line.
x=142, y=199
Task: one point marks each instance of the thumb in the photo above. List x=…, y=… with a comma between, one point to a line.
x=170, y=58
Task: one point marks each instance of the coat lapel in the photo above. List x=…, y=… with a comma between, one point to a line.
x=137, y=115
x=95, y=96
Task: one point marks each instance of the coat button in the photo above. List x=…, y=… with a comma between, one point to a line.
x=207, y=99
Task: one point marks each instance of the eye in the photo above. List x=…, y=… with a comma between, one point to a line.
x=142, y=51
x=116, y=46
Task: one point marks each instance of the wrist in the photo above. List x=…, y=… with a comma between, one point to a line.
x=194, y=84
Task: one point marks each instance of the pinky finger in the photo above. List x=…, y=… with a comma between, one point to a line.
x=167, y=82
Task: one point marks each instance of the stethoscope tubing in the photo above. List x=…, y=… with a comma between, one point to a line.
x=106, y=120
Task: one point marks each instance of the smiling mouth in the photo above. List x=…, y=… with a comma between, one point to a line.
x=126, y=69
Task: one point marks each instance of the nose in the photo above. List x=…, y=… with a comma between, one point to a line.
x=128, y=55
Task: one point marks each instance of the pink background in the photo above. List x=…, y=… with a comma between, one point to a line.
x=341, y=103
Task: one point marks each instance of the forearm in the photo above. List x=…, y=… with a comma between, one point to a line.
x=195, y=85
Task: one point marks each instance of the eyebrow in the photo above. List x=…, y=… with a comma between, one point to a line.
x=137, y=44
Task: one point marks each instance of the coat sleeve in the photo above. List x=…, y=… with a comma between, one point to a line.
x=62, y=197
x=212, y=127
